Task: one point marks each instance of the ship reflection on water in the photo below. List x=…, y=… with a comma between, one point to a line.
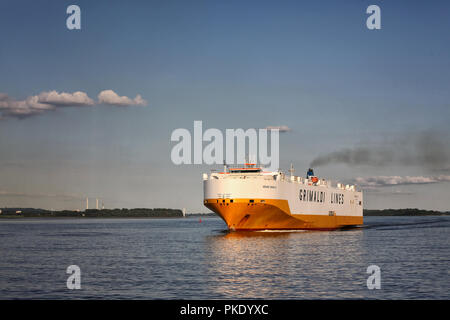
x=291, y=264
x=264, y=234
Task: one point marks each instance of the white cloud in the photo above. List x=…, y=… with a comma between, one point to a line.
x=387, y=181
x=280, y=128
x=51, y=100
x=77, y=98
x=112, y=98
x=22, y=108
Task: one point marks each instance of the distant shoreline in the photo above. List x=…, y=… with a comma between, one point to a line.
x=17, y=213
x=91, y=213
x=409, y=212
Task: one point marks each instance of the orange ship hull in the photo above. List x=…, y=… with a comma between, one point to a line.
x=266, y=214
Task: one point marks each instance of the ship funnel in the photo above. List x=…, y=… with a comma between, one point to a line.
x=291, y=170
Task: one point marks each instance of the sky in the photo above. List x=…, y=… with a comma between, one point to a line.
x=90, y=112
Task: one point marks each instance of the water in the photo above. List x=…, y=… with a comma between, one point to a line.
x=188, y=259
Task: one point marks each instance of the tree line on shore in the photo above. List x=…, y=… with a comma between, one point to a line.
x=131, y=213
x=404, y=212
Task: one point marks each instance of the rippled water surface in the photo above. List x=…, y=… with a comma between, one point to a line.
x=189, y=259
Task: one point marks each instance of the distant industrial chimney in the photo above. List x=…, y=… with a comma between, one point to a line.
x=96, y=204
x=87, y=203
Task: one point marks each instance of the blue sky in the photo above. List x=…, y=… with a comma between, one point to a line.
x=312, y=66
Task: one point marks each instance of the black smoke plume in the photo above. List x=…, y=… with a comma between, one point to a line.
x=429, y=150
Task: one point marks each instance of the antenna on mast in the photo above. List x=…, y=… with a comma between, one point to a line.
x=291, y=170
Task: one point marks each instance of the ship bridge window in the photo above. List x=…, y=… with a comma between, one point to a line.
x=246, y=171
x=251, y=201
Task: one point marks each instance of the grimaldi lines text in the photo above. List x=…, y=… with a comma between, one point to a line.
x=249, y=198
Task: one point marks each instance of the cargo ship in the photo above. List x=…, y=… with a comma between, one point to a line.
x=248, y=198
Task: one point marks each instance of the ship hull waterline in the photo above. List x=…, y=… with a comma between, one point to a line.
x=273, y=214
